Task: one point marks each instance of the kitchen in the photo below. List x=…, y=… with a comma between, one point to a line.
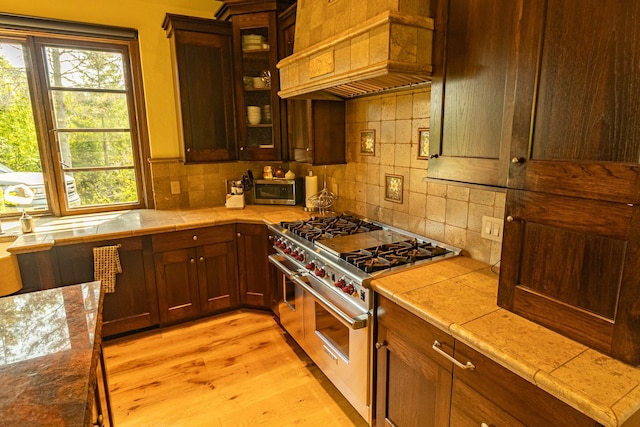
x=447, y=212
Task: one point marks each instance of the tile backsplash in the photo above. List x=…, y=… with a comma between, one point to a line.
x=445, y=211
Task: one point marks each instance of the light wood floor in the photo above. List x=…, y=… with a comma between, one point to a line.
x=236, y=369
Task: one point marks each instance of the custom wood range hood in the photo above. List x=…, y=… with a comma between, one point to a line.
x=347, y=48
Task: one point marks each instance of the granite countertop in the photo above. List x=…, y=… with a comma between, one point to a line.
x=49, y=350
x=459, y=296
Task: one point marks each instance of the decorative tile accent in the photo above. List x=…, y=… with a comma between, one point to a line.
x=368, y=142
x=393, y=188
x=423, y=143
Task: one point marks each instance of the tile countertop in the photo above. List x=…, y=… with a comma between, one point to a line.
x=49, y=350
x=459, y=296
x=50, y=231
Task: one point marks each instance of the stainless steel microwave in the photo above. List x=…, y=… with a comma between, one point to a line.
x=277, y=191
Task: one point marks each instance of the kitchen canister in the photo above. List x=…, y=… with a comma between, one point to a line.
x=310, y=189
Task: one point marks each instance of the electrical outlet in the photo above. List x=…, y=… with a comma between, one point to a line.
x=492, y=228
x=175, y=187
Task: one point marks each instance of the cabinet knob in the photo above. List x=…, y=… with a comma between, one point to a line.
x=308, y=149
x=188, y=149
x=433, y=156
x=270, y=237
x=195, y=237
x=379, y=345
x=192, y=261
x=201, y=258
x=241, y=148
x=510, y=218
x=517, y=160
x=238, y=234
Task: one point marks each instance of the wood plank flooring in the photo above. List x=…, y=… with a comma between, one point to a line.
x=235, y=369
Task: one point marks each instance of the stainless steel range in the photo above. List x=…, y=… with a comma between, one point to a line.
x=327, y=264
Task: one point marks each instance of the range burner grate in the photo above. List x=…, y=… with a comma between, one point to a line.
x=390, y=255
x=318, y=228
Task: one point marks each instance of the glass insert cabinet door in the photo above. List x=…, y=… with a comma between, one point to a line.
x=258, y=104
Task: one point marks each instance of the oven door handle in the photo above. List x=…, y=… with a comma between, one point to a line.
x=357, y=322
x=277, y=261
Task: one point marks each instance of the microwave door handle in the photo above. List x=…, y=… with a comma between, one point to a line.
x=358, y=322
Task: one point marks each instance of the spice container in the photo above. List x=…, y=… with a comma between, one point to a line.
x=26, y=223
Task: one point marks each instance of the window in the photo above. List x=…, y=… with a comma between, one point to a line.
x=70, y=134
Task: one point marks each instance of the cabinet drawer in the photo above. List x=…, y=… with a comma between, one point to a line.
x=191, y=238
x=494, y=395
x=415, y=332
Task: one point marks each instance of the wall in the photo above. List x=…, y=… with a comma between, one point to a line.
x=146, y=16
x=446, y=212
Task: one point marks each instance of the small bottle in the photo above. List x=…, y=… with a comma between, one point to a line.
x=26, y=222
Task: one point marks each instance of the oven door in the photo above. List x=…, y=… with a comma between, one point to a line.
x=291, y=305
x=338, y=339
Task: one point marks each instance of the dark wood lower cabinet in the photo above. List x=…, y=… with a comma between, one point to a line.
x=134, y=304
x=413, y=383
x=416, y=386
x=254, y=273
x=492, y=395
x=167, y=277
x=196, y=272
x=102, y=415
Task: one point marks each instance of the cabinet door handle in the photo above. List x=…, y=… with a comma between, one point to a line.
x=379, y=345
x=517, y=160
x=238, y=234
x=438, y=348
x=510, y=218
x=195, y=237
x=241, y=148
x=192, y=260
x=201, y=258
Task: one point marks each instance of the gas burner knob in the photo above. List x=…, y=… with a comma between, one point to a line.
x=287, y=250
x=341, y=283
x=299, y=255
x=348, y=289
x=310, y=266
x=320, y=272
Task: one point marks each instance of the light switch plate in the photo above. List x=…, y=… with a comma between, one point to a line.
x=492, y=228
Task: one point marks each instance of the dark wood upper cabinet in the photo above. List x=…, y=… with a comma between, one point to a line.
x=316, y=131
x=204, y=80
x=577, y=119
x=476, y=47
x=256, y=51
x=572, y=236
